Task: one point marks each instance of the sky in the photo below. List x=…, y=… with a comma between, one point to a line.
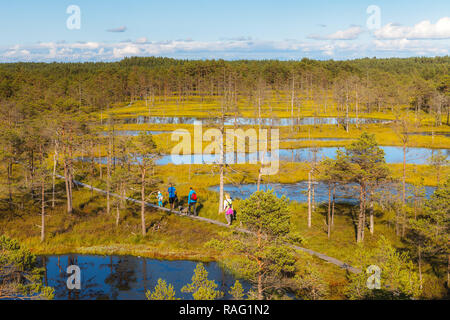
x=100, y=30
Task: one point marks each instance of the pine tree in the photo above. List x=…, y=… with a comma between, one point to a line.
x=363, y=163
x=20, y=273
x=437, y=161
x=237, y=291
x=269, y=264
x=162, y=291
x=200, y=287
x=143, y=151
x=310, y=284
x=429, y=232
x=398, y=278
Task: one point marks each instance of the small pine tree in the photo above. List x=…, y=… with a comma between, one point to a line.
x=162, y=291
x=398, y=278
x=268, y=263
x=438, y=160
x=429, y=231
x=311, y=286
x=237, y=291
x=20, y=274
x=202, y=288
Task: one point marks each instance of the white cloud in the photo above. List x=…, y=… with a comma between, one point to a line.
x=418, y=47
x=229, y=49
x=85, y=45
x=141, y=40
x=226, y=49
x=351, y=33
x=241, y=38
x=427, y=30
x=126, y=51
x=391, y=31
x=422, y=30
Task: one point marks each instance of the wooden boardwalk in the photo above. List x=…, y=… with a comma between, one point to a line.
x=322, y=256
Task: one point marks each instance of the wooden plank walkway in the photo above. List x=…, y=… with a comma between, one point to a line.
x=322, y=256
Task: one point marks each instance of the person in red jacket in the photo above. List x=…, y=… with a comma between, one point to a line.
x=192, y=201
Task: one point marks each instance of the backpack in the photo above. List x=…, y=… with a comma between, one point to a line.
x=194, y=196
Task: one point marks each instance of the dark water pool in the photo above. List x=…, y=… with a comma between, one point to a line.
x=126, y=277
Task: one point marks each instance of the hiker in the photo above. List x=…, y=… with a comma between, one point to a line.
x=228, y=208
x=159, y=196
x=192, y=200
x=172, y=196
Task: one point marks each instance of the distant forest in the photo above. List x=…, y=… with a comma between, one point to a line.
x=422, y=83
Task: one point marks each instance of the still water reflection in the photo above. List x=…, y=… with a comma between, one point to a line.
x=298, y=191
x=134, y=132
x=229, y=121
x=126, y=277
x=392, y=155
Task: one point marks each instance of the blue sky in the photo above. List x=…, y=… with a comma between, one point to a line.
x=199, y=29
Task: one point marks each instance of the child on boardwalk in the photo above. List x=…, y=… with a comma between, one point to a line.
x=159, y=196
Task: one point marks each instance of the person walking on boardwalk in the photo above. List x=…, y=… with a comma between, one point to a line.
x=228, y=207
x=172, y=196
x=192, y=201
x=159, y=196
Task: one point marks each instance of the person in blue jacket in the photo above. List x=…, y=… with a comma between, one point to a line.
x=192, y=201
x=172, y=196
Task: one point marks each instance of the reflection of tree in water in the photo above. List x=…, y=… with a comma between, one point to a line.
x=61, y=290
x=311, y=154
x=114, y=277
x=122, y=274
x=144, y=274
x=223, y=282
x=89, y=286
x=159, y=120
x=345, y=193
x=72, y=294
x=251, y=121
x=44, y=265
